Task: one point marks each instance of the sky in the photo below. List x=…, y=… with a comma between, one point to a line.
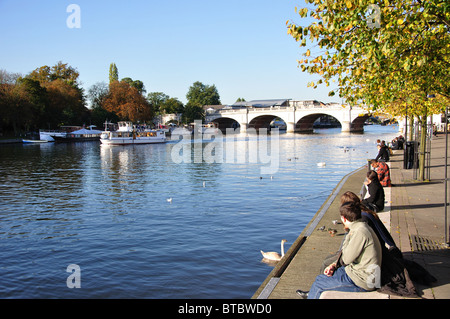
x=240, y=46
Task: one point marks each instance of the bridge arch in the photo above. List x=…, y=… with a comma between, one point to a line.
x=226, y=122
x=262, y=121
x=306, y=123
x=358, y=123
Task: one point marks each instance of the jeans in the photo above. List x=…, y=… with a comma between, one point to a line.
x=340, y=281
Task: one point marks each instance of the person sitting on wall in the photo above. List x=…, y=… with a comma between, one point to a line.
x=383, y=152
x=394, y=144
x=383, y=172
x=400, y=141
x=373, y=193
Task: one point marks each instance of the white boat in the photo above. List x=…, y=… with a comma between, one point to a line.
x=128, y=135
x=82, y=135
x=47, y=135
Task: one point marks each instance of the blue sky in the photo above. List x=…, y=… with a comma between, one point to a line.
x=240, y=46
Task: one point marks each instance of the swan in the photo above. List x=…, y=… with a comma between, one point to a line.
x=169, y=200
x=274, y=255
x=321, y=164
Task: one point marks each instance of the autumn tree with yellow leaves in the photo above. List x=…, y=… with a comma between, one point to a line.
x=388, y=56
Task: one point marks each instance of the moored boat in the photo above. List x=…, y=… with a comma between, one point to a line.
x=83, y=135
x=48, y=135
x=127, y=134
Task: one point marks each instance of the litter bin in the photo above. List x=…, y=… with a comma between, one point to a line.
x=409, y=155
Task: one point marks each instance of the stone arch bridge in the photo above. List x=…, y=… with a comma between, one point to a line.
x=298, y=116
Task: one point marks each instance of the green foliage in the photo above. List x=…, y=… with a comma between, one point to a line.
x=137, y=84
x=382, y=54
x=61, y=71
x=157, y=99
x=113, y=73
x=375, y=49
x=162, y=103
x=192, y=113
x=200, y=94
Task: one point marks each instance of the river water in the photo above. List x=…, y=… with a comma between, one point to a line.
x=108, y=211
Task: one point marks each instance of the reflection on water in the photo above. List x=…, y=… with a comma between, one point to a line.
x=106, y=210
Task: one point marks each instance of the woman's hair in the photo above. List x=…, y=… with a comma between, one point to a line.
x=351, y=211
x=372, y=176
x=350, y=197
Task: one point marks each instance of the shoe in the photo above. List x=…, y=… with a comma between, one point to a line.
x=303, y=294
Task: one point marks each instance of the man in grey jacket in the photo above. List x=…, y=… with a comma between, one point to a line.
x=361, y=257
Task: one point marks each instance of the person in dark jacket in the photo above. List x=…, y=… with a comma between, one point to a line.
x=383, y=153
x=373, y=193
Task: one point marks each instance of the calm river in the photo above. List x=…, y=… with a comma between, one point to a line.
x=107, y=210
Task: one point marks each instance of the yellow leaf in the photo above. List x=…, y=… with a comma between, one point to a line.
x=308, y=53
x=400, y=21
x=349, y=4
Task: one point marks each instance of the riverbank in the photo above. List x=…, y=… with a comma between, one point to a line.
x=414, y=213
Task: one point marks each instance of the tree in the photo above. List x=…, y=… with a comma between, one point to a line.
x=200, y=94
x=156, y=99
x=8, y=102
x=65, y=101
x=139, y=85
x=62, y=71
x=14, y=107
x=37, y=97
x=127, y=103
x=66, y=104
x=192, y=113
x=162, y=103
x=97, y=94
x=378, y=51
x=172, y=106
x=113, y=73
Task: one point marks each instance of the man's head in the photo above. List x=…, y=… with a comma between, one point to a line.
x=350, y=212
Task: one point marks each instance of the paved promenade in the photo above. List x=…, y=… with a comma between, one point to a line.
x=414, y=214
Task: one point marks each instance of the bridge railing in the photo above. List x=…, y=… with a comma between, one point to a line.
x=268, y=109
